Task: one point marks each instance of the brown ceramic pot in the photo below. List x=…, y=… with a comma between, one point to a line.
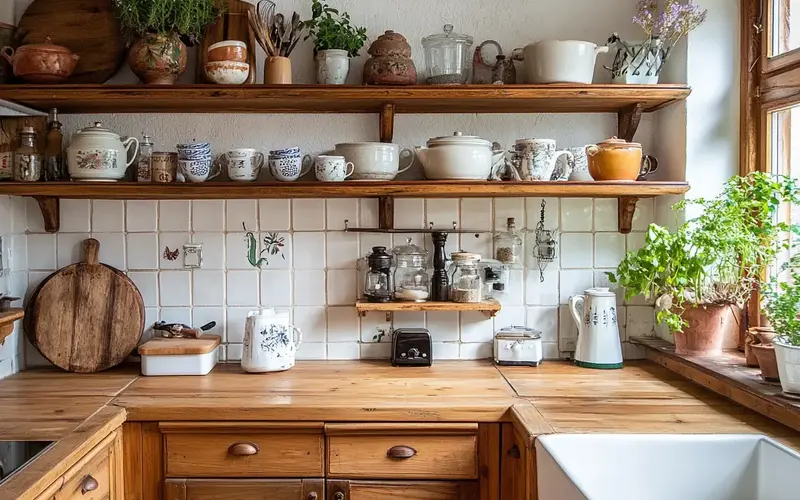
x=158, y=59
x=709, y=325
x=228, y=50
x=41, y=62
x=767, y=361
x=391, y=62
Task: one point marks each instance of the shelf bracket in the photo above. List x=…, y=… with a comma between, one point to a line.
x=49, y=206
x=386, y=212
x=387, y=123
x=626, y=207
x=628, y=120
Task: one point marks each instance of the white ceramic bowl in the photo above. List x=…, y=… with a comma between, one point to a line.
x=459, y=158
x=559, y=61
x=227, y=72
x=375, y=161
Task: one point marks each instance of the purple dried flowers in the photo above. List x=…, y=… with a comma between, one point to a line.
x=675, y=21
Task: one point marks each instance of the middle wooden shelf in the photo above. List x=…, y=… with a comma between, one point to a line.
x=488, y=307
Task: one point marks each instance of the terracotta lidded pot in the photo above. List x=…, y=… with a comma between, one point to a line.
x=391, y=62
x=617, y=160
x=41, y=62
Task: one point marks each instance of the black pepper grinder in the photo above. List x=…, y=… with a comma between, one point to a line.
x=439, y=282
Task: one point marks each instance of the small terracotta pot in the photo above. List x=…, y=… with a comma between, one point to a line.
x=707, y=330
x=767, y=361
x=277, y=70
x=158, y=59
x=229, y=50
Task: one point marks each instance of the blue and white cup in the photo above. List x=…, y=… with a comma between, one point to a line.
x=198, y=170
x=289, y=168
x=285, y=152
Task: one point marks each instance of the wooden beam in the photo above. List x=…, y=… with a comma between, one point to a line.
x=387, y=123
x=625, y=210
x=386, y=212
x=628, y=121
x=50, y=212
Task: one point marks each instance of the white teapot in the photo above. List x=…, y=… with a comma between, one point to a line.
x=270, y=342
x=98, y=154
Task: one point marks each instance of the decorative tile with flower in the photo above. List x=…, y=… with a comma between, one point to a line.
x=273, y=245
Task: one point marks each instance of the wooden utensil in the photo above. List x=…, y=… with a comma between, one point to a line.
x=86, y=317
x=233, y=25
x=261, y=36
x=89, y=28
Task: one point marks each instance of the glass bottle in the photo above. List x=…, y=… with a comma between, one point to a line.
x=378, y=282
x=411, y=280
x=27, y=159
x=54, y=166
x=466, y=284
x=508, y=244
x=504, y=71
x=144, y=166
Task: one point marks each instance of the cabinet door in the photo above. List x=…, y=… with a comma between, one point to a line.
x=243, y=489
x=405, y=490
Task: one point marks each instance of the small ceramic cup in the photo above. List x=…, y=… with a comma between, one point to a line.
x=243, y=164
x=165, y=166
x=579, y=171
x=198, y=170
x=289, y=168
x=332, y=168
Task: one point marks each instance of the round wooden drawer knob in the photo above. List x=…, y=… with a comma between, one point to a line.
x=401, y=452
x=89, y=484
x=243, y=449
x=338, y=496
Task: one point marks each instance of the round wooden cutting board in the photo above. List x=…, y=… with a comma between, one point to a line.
x=86, y=317
x=89, y=28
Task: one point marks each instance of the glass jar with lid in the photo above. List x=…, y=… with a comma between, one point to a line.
x=466, y=284
x=411, y=280
x=447, y=57
x=508, y=244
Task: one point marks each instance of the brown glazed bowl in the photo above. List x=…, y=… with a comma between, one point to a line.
x=229, y=50
x=41, y=62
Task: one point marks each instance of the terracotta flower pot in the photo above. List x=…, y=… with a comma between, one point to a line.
x=766, y=361
x=158, y=59
x=709, y=325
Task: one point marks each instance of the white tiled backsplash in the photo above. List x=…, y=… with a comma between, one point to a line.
x=314, y=268
x=13, y=276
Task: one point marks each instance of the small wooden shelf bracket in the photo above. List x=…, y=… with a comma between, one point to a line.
x=387, y=122
x=386, y=212
x=626, y=208
x=628, y=120
x=50, y=212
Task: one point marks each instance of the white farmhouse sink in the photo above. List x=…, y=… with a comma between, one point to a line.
x=665, y=467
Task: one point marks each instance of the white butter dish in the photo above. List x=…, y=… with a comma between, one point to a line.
x=162, y=356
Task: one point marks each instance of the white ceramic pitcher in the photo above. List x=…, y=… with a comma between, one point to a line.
x=598, y=331
x=270, y=342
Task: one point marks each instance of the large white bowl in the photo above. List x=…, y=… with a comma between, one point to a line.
x=227, y=72
x=374, y=161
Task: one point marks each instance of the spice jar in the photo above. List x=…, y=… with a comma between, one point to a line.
x=411, y=280
x=447, y=57
x=27, y=159
x=508, y=244
x=466, y=284
x=377, y=284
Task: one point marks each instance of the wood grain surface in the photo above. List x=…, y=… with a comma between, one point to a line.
x=89, y=28
x=233, y=25
x=243, y=489
x=431, y=490
x=86, y=317
x=161, y=346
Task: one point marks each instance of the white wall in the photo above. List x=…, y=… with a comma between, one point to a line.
x=13, y=276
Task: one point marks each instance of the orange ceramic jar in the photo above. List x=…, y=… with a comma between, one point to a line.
x=615, y=160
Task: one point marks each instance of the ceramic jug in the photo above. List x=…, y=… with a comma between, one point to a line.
x=538, y=159
x=270, y=342
x=598, y=331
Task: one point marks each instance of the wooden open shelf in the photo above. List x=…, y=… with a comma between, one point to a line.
x=489, y=307
x=7, y=318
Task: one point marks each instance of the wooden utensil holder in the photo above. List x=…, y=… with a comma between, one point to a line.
x=277, y=70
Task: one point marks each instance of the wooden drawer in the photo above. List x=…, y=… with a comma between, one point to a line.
x=407, y=451
x=94, y=477
x=244, y=449
x=244, y=489
x=403, y=490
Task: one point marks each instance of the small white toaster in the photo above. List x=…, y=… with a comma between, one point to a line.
x=518, y=346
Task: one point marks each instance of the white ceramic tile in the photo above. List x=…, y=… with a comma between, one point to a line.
x=242, y=288
x=108, y=216
x=236, y=251
x=312, y=322
x=309, y=288
x=208, y=215
x=308, y=215
x=174, y=215
x=277, y=255
x=341, y=249
x=567, y=330
x=233, y=352
x=34, y=222
x=342, y=287
x=374, y=324
x=173, y=242
x=8, y=214
x=376, y=351
x=601, y=281
x=42, y=251
x=143, y=250
x=634, y=241
x=176, y=315
x=475, y=327
x=238, y=212
x=477, y=214
x=442, y=212
x=576, y=250
x=509, y=316
x=533, y=209
x=75, y=216
x=276, y=288
x=409, y=213
x=69, y=248
x=150, y=318
x=235, y=320
x=309, y=250
x=544, y=319
x=541, y=293
x=174, y=288
x=576, y=214
x=208, y=288
x=514, y=293
x=476, y=243
x=369, y=240
x=343, y=351
x=311, y=352
x=339, y=210
x=443, y=325
x=213, y=249
x=408, y=319
x=444, y=351
x=222, y=353
x=609, y=249
x=605, y=215
x=550, y=350
x=574, y=283
x=640, y=321
x=147, y=283
x=475, y=351
x=141, y=216
x=367, y=212
x=274, y=215
x=633, y=351
x=18, y=255
x=644, y=215
x=112, y=248
x=504, y=208
x=343, y=324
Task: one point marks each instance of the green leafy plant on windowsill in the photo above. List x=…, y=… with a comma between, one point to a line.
x=333, y=31
x=781, y=302
x=715, y=258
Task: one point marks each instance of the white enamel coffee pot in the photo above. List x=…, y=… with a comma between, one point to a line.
x=598, y=331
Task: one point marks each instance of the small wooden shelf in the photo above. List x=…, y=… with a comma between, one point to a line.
x=7, y=318
x=489, y=307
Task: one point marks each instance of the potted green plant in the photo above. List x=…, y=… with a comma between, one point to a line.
x=335, y=42
x=705, y=270
x=158, y=30
x=781, y=305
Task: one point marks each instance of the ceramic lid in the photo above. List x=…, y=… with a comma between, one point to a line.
x=459, y=139
x=47, y=46
x=448, y=37
x=390, y=44
x=600, y=292
x=615, y=142
x=98, y=130
x=464, y=256
x=379, y=257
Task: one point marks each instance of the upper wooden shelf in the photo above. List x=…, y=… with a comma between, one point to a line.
x=489, y=307
x=342, y=98
x=7, y=318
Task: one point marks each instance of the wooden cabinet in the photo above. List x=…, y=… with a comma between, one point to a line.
x=402, y=490
x=244, y=489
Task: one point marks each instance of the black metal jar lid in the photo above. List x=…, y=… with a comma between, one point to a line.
x=379, y=259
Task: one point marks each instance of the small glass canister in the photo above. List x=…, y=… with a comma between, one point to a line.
x=27, y=159
x=508, y=244
x=447, y=57
x=411, y=280
x=378, y=282
x=466, y=284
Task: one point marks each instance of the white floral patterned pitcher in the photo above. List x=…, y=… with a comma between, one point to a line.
x=270, y=342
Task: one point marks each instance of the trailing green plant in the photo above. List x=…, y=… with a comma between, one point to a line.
x=187, y=18
x=781, y=301
x=717, y=257
x=332, y=30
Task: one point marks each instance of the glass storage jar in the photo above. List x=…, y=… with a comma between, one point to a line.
x=447, y=57
x=377, y=284
x=411, y=280
x=508, y=244
x=466, y=284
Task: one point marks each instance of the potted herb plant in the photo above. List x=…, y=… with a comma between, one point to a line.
x=641, y=62
x=335, y=42
x=705, y=270
x=782, y=306
x=158, y=30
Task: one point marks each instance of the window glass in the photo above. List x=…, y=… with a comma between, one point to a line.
x=785, y=29
x=784, y=159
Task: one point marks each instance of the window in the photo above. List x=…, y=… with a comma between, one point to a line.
x=785, y=22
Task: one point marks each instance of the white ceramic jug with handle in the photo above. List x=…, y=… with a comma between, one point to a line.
x=270, y=342
x=598, y=332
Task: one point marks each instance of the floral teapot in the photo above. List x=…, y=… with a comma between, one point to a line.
x=270, y=342
x=98, y=154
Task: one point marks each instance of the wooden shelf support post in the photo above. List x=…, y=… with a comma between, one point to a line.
x=50, y=212
x=628, y=121
x=386, y=212
x=626, y=207
x=387, y=123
